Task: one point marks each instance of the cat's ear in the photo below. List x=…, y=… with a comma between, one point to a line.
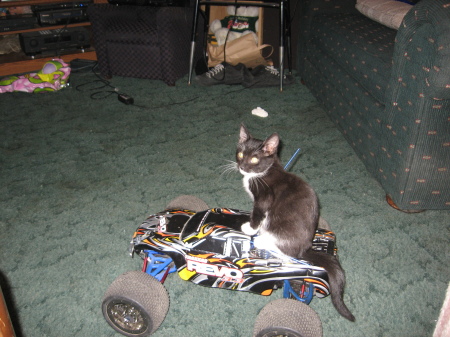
x=271, y=144
x=244, y=135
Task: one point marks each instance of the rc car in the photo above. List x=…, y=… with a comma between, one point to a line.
x=206, y=246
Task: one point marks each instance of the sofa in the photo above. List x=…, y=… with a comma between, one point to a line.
x=387, y=90
x=144, y=41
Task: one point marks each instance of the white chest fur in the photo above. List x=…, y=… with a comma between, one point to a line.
x=247, y=180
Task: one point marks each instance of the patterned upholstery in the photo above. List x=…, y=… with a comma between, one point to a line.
x=142, y=41
x=388, y=92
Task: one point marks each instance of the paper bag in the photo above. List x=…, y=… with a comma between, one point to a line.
x=242, y=50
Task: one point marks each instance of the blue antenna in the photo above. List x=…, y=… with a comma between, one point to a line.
x=292, y=158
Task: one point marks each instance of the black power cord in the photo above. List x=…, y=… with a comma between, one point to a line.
x=122, y=97
x=104, y=84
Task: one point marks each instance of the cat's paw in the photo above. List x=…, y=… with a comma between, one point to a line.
x=267, y=242
x=247, y=229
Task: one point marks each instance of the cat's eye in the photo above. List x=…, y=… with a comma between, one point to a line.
x=254, y=160
x=240, y=155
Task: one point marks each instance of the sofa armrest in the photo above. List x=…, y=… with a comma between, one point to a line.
x=418, y=93
x=101, y=14
x=424, y=40
x=98, y=22
x=415, y=126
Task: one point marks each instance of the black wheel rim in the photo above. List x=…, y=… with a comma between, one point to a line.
x=127, y=316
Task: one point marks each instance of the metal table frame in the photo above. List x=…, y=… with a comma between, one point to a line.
x=285, y=27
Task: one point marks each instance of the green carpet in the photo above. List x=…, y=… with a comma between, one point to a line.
x=78, y=176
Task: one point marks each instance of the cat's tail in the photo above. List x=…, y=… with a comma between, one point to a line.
x=336, y=278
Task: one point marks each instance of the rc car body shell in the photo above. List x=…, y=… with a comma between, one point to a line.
x=209, y=249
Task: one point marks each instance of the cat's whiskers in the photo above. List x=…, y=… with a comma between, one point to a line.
x=231, y=167
x=253, y=182
x=257, y=181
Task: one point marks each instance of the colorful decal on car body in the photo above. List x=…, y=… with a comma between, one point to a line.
x=209, y=249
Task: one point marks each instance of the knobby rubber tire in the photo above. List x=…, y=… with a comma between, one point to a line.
x=324, y=224
x=287, y=317
x=189, y=202
x=144, y=294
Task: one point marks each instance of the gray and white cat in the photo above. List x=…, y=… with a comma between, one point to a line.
x=285, y=210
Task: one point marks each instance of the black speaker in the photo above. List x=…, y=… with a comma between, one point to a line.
x=53, y=40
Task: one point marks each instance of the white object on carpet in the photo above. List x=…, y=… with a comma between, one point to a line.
x=260, y=112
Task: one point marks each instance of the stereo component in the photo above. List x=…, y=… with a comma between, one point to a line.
x=61, y=13
x=62, y=16
x=17, y=22
x=54, y=40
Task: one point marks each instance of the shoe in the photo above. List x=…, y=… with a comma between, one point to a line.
x=223, y=73
x=265, y=76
